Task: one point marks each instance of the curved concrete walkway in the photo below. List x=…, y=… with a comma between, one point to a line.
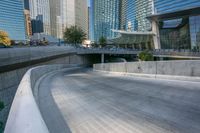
x=82, y=101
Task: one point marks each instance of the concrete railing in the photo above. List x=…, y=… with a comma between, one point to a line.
x=172, y=69
x=24, y=116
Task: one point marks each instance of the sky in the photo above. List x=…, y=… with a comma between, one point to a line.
x=88, y=2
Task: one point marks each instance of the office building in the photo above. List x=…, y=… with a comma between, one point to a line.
x=28, y=23
x=12, y=19
x=164, y=6
x=81, y=15
x=105, y=18
x=40, y=11
x=37, y=24
x=66, y=13
x=177, y=24
x=26, y=5
x=143, y=8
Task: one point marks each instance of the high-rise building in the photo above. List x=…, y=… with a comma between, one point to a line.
x=106, y=18
x=177, y=24
x=66, y=13
x=81, y=15
x=28, y=23
x=40, y=10
x=163, y=6
x=143, y=8
x=26, y=4
x=12, y=19
x=127, y=15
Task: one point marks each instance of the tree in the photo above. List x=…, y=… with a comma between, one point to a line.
x=102, y=41
x=1, y=124
x=4, y=38
x=146, y=56
x=74, y=35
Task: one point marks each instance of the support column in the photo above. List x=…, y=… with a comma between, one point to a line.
x=102, y=58
x=156, y=37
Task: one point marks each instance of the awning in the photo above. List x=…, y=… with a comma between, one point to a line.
x=132, y=37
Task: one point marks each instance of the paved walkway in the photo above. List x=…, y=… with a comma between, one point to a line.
x=83, y=101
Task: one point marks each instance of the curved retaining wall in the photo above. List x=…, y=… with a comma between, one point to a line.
x=183, y=70
x=24, y=116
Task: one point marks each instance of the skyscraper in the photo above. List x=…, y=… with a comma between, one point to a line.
x=40, y=10
x=177, y=23
x=81, y=15
x=127, y=15
x=12, y=19
x=28, y=23
x=66, y=13
x=163, y=6
x=143, y=8
x=26, y=4
x=106, y=18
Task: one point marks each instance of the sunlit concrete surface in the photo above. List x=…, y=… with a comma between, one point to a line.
x=82, y=101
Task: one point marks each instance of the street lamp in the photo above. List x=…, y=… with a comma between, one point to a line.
x=102, y=22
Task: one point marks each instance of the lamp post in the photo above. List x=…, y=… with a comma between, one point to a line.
x=102, y=23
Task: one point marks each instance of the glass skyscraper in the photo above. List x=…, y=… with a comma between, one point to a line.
x=105, y=18
x=12, y=19
x=40, y=13
x=143, y=8
x=136, y=12
x=182, y=31
x=163, y=6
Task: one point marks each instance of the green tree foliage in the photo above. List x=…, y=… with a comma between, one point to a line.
x=102, y=41
x=74, y=35
x=146, y=56
x=4, y=38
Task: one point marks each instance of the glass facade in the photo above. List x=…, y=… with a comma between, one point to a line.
x=175, y=34
x=40, y=11
x=163, y=6
x=182, y=32
x=12, y=19
x=106, y=18
x=195, y=32
x=127, y=15
x=143, y=8
x=133, y=15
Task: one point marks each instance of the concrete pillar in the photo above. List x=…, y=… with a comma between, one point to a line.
x=133, y=46
x=102, y=58
x=146, y=45
x=140, y=46
x=156, y=37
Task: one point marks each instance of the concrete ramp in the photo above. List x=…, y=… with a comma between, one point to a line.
x=83, y=101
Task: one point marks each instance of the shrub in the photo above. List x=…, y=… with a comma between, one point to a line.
x=4, y=39
x=146, y=56
x=102, y=41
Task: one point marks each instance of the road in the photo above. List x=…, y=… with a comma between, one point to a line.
x=83, y=101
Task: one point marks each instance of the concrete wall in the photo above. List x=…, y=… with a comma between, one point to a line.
x=24, y=116
x=20, y=55
x=9, y=80
x=172, y=68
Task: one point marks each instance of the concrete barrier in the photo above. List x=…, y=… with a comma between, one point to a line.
x=183, y=70
x=24, y=115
